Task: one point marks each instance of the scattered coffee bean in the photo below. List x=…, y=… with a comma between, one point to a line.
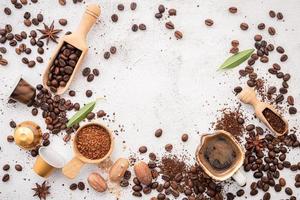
x=113, y=49
x=106, y=55
x=6, y=167
x=134, y=27
x=133, y=5
x=292, y=110
x=169, y=25
x=232, y=9
x=5, y=177
x=63, y=22
x=261, y=26
x=143, y=149
x=81, y=185
x=184, y=137
x=161, y=8
x=7, y=11
x=172, y=12
x=89, y=93
x=158, y=132
x=279, y=16
x=121, y=7
x=209, y=22
x=168, y=147
x=272, y=13
x=10, y=138
x=142, y=27
x=271, y=30
x=178, y=35
x=18, y=167
x=114, y=18
x=73, y=186
x=244, y=26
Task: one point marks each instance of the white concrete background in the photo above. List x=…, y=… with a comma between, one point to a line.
x=152, y=81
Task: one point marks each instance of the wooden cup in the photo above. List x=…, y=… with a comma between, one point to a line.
x=72, y=168
x=76, y=39
x=234, y=171
x=248, y=96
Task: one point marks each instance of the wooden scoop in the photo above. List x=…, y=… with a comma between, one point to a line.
x=248, y=96
x=72, y=168
x=76, y=39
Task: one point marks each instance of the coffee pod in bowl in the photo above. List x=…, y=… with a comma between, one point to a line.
x=93, y=143
x=47, y=161
x=22, y=91
x=221, y=157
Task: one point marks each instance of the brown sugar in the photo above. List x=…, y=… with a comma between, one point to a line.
x=93, y=142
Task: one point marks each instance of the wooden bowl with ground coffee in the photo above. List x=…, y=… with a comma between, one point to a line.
x=92, y=143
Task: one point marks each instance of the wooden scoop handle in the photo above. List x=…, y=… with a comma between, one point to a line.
x=248, y=96
x=72, y=168
x=88, y=19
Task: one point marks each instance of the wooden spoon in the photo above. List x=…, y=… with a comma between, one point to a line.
x=72, y=168
x=76, y=39
x=248, y=96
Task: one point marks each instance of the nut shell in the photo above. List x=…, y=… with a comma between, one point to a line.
x=97, y=182
x=143, y=173
x=118, y=169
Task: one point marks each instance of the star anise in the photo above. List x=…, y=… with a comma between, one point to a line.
x=41, y=190
x=254, y=143
x=49, y=33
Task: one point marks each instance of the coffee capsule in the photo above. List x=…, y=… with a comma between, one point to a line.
x=265, y=112
x=22, y=92
x=47, y=161
x=221, y=157
x=28, y=135
x=72, y=168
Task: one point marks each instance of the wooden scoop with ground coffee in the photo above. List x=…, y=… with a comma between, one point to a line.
x=265, y=112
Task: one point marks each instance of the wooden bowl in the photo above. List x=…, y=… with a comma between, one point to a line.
x=72, y=168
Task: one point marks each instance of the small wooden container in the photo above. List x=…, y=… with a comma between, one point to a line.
x=76, y=39
x=248, y=96
x=72, y=168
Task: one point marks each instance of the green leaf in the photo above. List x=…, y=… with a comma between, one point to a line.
x=236, y=59
x=81, y=114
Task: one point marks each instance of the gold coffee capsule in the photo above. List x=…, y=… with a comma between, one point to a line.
x=28, y=135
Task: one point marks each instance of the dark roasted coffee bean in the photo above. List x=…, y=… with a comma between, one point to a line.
x=280, y=49
x=283, y=58
x=86, y=71
x=158, y=132
x=271, y=30
x=209, y=22
x=6, y=167
x=257, y=37
x=137, y=194
x=90, y=116
x=279, y=98
x=121, y=7
x=106, y=55
x=272, y=13
x=244, y=26
x=73, y=186
x=133, y=5
x=238, y=89
x=169, y=25
x=272, y=90
x=63, y=22
x=143, y=149
x=142, y=27
x=12, y=124
x=18, y=167
x=261, y=26
x=292, y=110
x=46, y=142
x=7, y=11
x=5, y=177
x=90, y=77
x=10, y=138
x=113, y=49
x=277, y=188
x=172, y=12
x=250, y=127
x=161, y=8
x=158, y=15
x=288, y=191
x=283, y=90
x=232, y=9
x=134, y=27
x=282, y=182
x=253, y=192
x=184, y=137
x=240, y=193
x=114, y=18
x=267, y=196
x=89, y=93
x=168, y=147
x=161, y=196
x=81, y=185
x=279, y=16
